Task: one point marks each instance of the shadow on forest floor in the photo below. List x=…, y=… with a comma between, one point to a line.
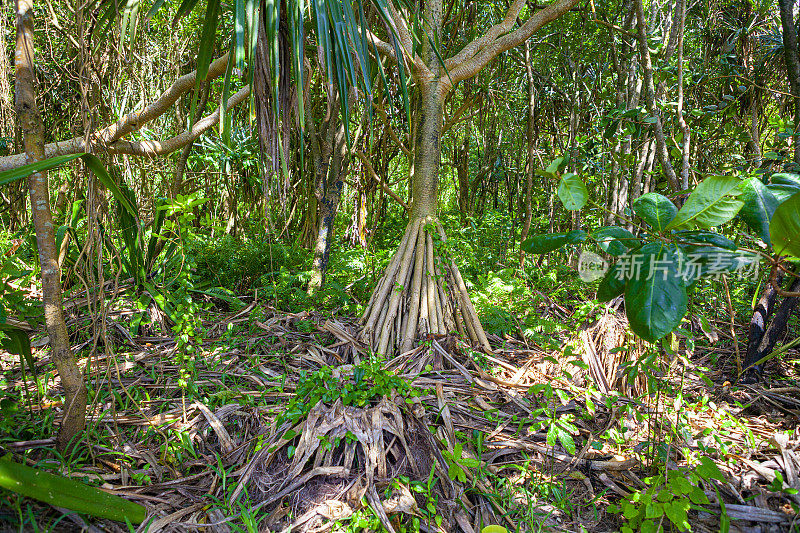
x=284, y=422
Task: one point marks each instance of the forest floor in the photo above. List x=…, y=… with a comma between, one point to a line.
x=284, y=422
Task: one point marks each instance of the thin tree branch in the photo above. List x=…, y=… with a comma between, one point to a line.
x=129, y=123
x=156, y=148
x=478, y=44
x=371, y=171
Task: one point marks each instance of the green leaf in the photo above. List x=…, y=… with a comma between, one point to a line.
x=698, y=497
x=655, y=294
x=707, y=237
x=615, y=240
x=701, y=261
x=782, y=192
x=8, y=176
x=612, y=285
x=708, y=469
x=786, y=178
x=99, y=170
x=784, y=228
x=566, y=441
x=67, y=493
x=655, y=209
x=712, y=203
x=677, y=512
x=17, y=342
x=572, y=192
x=542, y=244
x=759, y=206
x=205, y=48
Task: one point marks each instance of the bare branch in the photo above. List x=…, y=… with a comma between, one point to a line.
x=478, y=44
x=157, y=148
x=130, y=122
x=371, y=171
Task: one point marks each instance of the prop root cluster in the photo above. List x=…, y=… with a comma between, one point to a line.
x=420, y=294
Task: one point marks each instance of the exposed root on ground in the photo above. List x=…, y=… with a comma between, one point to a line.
x=342, y=456
x=420, y=294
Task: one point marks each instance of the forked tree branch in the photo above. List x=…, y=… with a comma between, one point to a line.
x=156, y=148
x=497, y=40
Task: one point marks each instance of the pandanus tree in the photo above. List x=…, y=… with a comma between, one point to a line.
x=420, y=292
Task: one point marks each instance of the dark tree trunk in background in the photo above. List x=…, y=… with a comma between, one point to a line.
x=761, y=339
x=792, y=63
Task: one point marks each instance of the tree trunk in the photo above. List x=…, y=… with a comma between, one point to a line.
x=410, y=299
x=30, y=121
x=650, y=98
x=531, y=141
x=790, y=53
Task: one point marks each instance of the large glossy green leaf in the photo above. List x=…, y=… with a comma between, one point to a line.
x=542, y=244
x=655, y=209
x=615, y=240
x=786, y=178
x=67, y=493
x=655, y=294
x=706, y=237
x=784, y=228
x=782, y=192
x=759, y=206
x=572, y=192
x=704, y=261
x=612, y=285
x=712, y=203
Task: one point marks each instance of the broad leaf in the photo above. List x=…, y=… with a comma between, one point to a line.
x=67, y=493
x=708, y=469
x=655, y=209
x=542, y=244
x=786, y=178
x=655, y=294
x=712, y=203
x=572, y=192
x=615, y=240
x=784, y=228
x=782, y=192
x=759, y=206
x=612, y=285
x=706, y=237
x=704, y=261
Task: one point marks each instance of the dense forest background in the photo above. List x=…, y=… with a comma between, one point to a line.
x=403, y=266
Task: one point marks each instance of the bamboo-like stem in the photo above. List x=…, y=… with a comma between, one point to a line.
x=410, y=331
x=431, y=281
x=401, y=263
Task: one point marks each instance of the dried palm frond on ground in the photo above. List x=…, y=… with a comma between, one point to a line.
x=505, y=437
x=607, y=347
